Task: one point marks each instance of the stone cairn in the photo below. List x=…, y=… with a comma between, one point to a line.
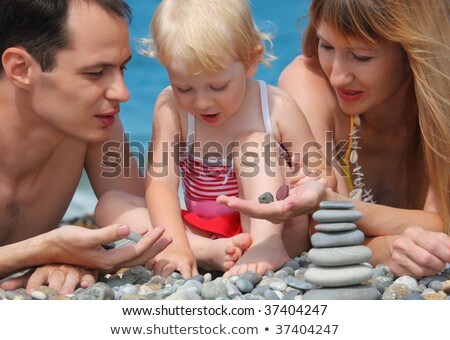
x=337, y=257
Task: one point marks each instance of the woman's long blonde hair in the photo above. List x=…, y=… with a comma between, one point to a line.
x=422, y=29
x=203, y=34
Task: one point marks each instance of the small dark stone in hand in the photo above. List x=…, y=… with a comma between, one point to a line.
x=265, y=198
x=108, y=246
x=282, y=192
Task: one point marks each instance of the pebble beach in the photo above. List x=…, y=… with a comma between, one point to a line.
x=287, y=283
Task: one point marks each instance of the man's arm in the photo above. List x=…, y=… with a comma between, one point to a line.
x=25, y=254
x=82, y=247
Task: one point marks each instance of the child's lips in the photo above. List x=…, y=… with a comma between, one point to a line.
x=211, y=118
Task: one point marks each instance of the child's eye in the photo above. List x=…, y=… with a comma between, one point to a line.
x=123, y=68
x=219, y=89
x=179, y=89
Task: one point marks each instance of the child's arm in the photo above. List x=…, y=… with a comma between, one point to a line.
x=162, y=189
x=292, y=130
x=258, y=173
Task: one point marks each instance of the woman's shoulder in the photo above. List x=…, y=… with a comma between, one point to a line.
x=304, y=80
x=304, y=75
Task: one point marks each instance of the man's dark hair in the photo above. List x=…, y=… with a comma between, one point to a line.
x=39, y=26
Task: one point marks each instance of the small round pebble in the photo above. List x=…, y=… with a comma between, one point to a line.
x=282, y=192
x=265, y=198
x=244, y=286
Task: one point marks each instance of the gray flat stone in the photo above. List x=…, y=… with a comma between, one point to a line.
x=134, y=236
x=336, y=205
x=360, y=292
x=339, y=256
x=327, y=216
x=332, y=227
x=337, y=239
x=298, y=284
x=338, y=276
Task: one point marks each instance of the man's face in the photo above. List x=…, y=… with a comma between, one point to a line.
x=81, y=95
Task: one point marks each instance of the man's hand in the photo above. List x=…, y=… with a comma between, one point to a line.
x=418, y=252
x=83, y=247
x=303, y=199
x=63, y=278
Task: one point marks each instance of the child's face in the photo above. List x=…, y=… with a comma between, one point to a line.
x=212, y=98
x=364, y=77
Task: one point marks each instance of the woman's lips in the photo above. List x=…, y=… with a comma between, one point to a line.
x=349, y=95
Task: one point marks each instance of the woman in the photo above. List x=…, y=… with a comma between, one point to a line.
x=376, y=75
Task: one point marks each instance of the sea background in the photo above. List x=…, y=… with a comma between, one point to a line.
x=145, y=77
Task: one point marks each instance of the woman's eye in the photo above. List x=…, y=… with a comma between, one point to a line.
x=362, y=59
x=325, y=46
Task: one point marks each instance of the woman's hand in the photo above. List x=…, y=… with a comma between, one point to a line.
x=418, y=252
x=304, y=198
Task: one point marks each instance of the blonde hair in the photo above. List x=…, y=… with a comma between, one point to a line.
x=422, y=29
x=205, y=34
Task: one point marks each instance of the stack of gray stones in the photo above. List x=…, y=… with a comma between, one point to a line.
x=338, y=259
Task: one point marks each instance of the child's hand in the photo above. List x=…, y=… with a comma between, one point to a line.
x=175, y=257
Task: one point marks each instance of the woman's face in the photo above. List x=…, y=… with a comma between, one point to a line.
x=364, y=77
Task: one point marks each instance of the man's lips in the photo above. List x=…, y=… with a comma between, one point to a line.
x=349, y=95
x=107, y=119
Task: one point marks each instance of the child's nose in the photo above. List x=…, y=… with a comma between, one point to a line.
x=203, y=102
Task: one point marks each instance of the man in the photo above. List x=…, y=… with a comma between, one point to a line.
x=61, y=85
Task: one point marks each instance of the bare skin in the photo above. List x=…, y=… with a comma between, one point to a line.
x=46, y=141
x=383, y=77
x=210, y=254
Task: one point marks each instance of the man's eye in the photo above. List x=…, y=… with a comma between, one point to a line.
x=95, y=74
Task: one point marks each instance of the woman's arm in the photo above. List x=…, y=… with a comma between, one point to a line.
x=416, y=252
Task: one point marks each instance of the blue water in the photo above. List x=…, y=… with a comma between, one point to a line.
x=145, y=77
